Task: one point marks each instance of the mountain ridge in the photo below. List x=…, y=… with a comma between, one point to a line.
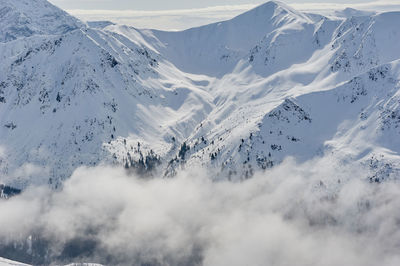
x=29, y=17
x=238, y=96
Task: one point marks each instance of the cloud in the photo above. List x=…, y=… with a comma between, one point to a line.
x=330, y=8
x=186, y=18
x=316, y=213
x=165, y=19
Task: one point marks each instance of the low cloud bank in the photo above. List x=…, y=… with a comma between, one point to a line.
x=179, y=19
x=182, y=19
x=317, y=213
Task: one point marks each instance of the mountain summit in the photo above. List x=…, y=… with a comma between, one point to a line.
x=198, y=50
x=272, y=12
x=24, y=18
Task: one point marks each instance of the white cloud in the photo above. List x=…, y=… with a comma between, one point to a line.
x=291, y=215
x=329, y=8
x=165, y=20
x=186, y=18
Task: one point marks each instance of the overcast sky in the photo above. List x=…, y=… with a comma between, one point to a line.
x=170, y=4
x=182, y=14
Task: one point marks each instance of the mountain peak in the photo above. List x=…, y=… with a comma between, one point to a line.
x=273, y=10
x=24, y=18
x=351, y=12
x=272, y=4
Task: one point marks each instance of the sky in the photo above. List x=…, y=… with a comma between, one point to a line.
x=152, y=5
x=183, y=14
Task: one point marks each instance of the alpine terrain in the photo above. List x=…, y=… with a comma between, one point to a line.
x=237, y=96
x=234, y=98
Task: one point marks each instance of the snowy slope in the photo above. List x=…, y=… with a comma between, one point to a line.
x=80, y=90
x=215, y=49
x=258, y=121
x=6, y=262
x=25, y=18
x=239, y=95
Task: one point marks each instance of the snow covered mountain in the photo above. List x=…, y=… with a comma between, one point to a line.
x=27, y=18
x=236, y=96
x=6, y=262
